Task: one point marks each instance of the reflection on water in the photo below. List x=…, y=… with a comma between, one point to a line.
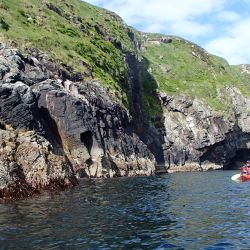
x=178, y=211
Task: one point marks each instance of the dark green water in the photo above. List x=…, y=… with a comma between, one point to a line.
x=178, y=211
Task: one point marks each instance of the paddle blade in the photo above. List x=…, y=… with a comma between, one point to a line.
x=236, y=177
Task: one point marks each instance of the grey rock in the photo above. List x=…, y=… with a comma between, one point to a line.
x=17, y=105
x=76, y=124
x=54, y=8
x=166, y=40
x=197, y=138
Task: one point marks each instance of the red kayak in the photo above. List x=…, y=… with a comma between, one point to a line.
x=245, y=177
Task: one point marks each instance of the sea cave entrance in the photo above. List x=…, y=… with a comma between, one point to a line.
x=87, y=139
x=240, y=158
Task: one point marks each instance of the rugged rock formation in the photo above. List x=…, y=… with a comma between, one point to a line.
x=199, y=139
x=78, y=128
x=94, y=132
x=27, y=165
x=83, y=131
x=57, y=124
x=88, y=133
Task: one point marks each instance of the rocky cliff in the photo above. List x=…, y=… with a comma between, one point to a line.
x=205, y=123
x=197, y=138
x=60, y=129
x=84, y=95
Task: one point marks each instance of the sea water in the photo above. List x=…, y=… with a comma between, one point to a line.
x=204, y=210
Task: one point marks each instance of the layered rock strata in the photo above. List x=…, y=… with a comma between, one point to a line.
x=56, y=126
x=198, y=138
x=78, y=128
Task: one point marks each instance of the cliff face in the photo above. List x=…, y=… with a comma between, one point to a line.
x=78, y=129
x=197, y=138
x=89, y=96
x=28, y=164
x=206, y=115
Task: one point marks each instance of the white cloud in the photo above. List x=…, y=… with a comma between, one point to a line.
x=221, y=26
x=228, y=16
x=234, y=46
x=176, y=16
x=180, y=28
x=161, y=10
x=96, y=2
x=191, y=29
x=154, y=28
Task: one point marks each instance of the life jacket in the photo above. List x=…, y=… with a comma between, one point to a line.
x=245, y=169
x=248, y=169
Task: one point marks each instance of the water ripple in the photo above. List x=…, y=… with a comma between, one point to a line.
x=178, y=211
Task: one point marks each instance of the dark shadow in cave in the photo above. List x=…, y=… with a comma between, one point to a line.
x=51, y=131
x=87, y=139
x=239, y=160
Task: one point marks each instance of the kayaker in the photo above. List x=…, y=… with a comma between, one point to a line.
x=246, y=168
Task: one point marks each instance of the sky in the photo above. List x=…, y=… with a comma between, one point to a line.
x=222, y=27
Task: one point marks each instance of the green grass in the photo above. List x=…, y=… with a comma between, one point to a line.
x=183, y=67
x=94, y=41
x=81, y=34
x=151, y=104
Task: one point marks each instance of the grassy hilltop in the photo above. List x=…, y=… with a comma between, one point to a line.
x=86, y=38
x=95, y=42
x=183, y=67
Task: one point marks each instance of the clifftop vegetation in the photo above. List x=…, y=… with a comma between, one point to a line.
x=95, y=42
x=76, y=34
x=180, y=66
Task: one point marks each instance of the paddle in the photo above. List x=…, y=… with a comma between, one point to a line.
x=236, y=177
